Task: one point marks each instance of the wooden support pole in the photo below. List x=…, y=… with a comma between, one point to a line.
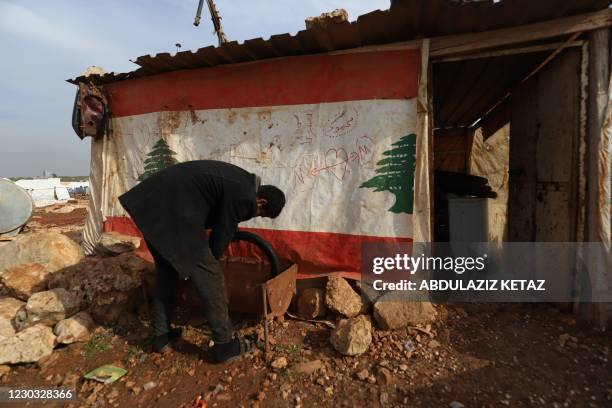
x=265, y=317
x=599, y=314
x=597, y=102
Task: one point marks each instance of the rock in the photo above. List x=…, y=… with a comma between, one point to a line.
x=149, y=386
x=352, y=336
x=6, y=328
x=4, y=370
x=114, y=243
x=60, y=209
x=308, y=367
x=393, y=314
x=456, y=404
x=75, y=328
x=109, y=287
x=22, y=281
x=326, y=19
x=27, y=346
x=363, y=374
x=70, y=381
x=341, y=298
x=311, y=303
x=434, y=344
x=9, y=307
x=47, y=362
x=52, y=250
x=566, y=338
x=386, y=375
x=48, y=308
x=368, y=295
x=279, y=363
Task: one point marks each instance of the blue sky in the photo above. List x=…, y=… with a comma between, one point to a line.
x=45, y=42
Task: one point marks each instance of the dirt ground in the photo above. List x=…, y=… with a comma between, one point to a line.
x=493, y=355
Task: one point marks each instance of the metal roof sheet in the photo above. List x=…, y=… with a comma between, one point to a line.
x=405, y=20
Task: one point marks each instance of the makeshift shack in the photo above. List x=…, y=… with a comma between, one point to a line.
x=353, y=119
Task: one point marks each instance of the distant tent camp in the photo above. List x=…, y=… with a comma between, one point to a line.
x=45, y=191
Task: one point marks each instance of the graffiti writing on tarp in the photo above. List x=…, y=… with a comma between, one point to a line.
x=342, y=123
x=304, y=132
x=335, y=161
x=254, y=152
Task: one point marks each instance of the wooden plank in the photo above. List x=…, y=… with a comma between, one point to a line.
x=450, y=149
x=512, y=51
x=466, y=43
x=522, y=177
x=543, y=153
x=559, y=115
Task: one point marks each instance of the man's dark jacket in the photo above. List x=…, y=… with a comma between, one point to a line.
x=173, y=207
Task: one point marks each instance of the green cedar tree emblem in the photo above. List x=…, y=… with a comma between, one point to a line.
x=395, y=174
x=160, y=157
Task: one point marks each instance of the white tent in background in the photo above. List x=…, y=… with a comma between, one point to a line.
x=77, y=187
x=45, y=191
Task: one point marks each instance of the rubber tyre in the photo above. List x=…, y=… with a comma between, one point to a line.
x=264, y=246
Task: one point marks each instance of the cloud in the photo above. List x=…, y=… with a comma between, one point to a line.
x=21, y=22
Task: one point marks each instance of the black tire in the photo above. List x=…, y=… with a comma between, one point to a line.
x=264, y=246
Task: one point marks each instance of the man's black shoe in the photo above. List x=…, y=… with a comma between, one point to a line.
x=160, y=343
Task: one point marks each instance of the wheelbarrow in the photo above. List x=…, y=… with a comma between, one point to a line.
x=254, y=287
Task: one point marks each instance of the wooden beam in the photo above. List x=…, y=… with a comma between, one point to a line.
x=471, y=43
x=599, y=80
x=475, y=42
x=511, y=51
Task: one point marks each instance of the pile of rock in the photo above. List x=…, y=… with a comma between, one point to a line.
x=49, y=292
x=109, y=288
x=353, y=332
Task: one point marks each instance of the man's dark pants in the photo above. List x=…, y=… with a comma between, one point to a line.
x=210, y=283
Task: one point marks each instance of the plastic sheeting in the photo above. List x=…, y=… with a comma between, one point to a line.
x=325, y=153
x=490, y=158
x=605, y=178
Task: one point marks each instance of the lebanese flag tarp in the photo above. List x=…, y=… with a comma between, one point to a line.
x=339, y=134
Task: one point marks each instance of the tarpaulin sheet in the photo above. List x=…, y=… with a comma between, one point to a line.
x=342, y=135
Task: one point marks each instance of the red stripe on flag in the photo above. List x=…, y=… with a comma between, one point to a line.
x=286, y=81
x=314, y=252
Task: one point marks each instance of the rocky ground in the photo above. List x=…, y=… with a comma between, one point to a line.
x=446, y=356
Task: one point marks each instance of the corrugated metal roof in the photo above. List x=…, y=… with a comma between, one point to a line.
x=405, y=20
